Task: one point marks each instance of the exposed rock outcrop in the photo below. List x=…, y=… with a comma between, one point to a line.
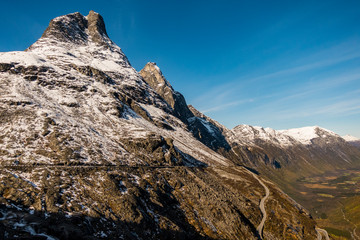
x=204, y=130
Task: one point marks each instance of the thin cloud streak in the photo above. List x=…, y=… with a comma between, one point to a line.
x=226, y=105
x=346, y=54
x=307, y=67
x=318, y=87
x=344, y=108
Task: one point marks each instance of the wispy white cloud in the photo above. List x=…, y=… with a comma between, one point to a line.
x=318, y=87
x=226, y=105
x=347, y=107
x=337, y=54
x=307, y=67
x=324, y=58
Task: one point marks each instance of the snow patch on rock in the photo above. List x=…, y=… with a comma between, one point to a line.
x=305, y=134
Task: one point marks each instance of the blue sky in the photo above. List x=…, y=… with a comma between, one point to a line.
x=278, y=64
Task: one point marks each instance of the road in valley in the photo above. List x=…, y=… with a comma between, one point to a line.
x=353, y=233
x=262, y=201
x=321, y=233
x=262, y=204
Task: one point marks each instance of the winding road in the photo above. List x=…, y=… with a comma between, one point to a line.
x=262, y=201
x=353, y=233
x=320, y=233
x=262, y=204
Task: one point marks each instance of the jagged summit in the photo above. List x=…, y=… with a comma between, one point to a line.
x=154, y=77
x=76, y=28
x=203, y=129
x=74, y=39
x=157, y=78
x=70, y=27
x=96, y=26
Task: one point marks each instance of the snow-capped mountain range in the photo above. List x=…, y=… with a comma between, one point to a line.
x=247, y=134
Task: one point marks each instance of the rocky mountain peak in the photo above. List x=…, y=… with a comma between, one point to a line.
x=206, y=131
x=76, y=28
x=70, y=27
x=157, y=79
x=96, y=26
x=154, y=77
x=74, y=39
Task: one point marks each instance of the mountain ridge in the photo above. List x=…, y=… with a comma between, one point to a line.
x=87, y=138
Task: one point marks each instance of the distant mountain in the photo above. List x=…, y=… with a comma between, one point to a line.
x=92, y=149
x=305, y=135
x=352, y=140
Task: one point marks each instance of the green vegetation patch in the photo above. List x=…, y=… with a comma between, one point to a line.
x=356, y=179
x=325, y=195
x=338, y=232
x=352, y=209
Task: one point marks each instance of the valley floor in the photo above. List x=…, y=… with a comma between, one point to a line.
x=333, y=199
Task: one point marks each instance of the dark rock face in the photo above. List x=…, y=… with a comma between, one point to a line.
x=203, y=129
x=355, y=143
x=210, y=131
x=68, y=28
x=96, y=26
x=154, y=77
x=72, y=28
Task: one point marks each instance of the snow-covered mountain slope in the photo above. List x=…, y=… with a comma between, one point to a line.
x=75, y=79
x=308, y=144
x=247, y=135
x=306, y=134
